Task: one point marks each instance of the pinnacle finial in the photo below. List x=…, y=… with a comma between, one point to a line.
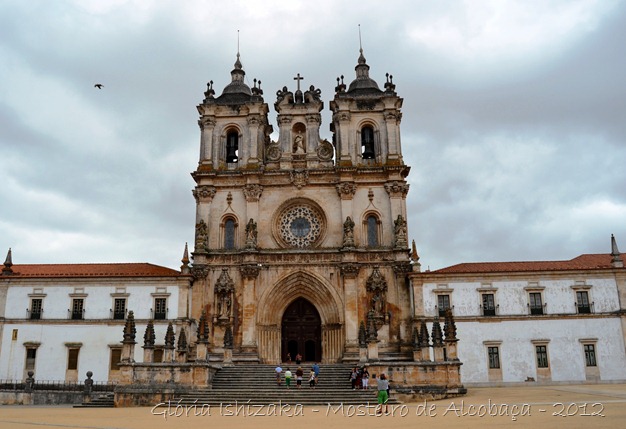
x=617, y=258
x=185, y=259
x=8, y=263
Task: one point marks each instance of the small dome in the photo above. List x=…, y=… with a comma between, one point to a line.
x=363, y=84
x=236, y=92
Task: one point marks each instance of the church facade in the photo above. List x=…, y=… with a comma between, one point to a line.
x=300, y=240
x=301, y=247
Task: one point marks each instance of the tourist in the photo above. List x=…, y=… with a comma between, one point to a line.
x=316, y=368
x=365, y=375
x=298, y=359
x=383, y=394
x=312, y=378
x=278, y=370
x=288, y=357
x=287, y=378
x=353, y=376
x=299, y=374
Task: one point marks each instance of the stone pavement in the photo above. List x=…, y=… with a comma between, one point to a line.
x=564, y=406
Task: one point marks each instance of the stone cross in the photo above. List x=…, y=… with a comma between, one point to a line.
x=298, y=78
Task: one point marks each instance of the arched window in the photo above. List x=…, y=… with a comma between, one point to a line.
x=232, y=147
x=229, y=234
x=372, y=231
x=367, y=142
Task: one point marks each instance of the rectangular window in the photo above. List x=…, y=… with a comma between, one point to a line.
x=443, y=303
x=494, y=357
x=72, y=359
x=77, y=308
x=536, y=306
x=160, y=308
x=590, y=354
x=489, y=307
x=582, y=302
x=116, y=357
x=31, y=355
x=36, y=306
x=542, y=356
x=119, y=308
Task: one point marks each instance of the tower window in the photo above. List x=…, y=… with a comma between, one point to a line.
x=229, y=234
x=367, y=142
x=232, y=147
x=372, y=231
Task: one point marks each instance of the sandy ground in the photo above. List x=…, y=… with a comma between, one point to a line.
x=580, y=406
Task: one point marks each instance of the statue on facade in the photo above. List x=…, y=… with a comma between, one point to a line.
x=348, y=232
x=400, y=232
x=251, y=234
x=298, y=144
x=201, y=236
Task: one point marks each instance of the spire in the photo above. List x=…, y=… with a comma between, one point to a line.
x=129, y=329
x=363, y=84
x=185, y=267
x=182, y=340
x=8, y=263
x=616, y=262
x=169, y=337
x=149, y=336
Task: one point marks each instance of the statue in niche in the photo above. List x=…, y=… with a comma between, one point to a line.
x=348, y=232
x=298, y=144
x=400, y=232
x=201, y=236
x=251, y=234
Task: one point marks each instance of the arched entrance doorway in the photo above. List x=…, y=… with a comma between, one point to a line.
x=301, y=331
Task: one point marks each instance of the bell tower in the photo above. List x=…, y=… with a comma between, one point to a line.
x=366, y=120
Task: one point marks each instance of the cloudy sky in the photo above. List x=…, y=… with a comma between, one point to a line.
x=514, y=117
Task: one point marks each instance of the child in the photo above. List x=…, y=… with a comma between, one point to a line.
x=312, y=378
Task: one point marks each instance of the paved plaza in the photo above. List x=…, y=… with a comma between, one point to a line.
x=568, y=406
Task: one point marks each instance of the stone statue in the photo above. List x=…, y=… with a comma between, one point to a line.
x=400, y=232
x=348, y=232
x=201, y=236
x=251, y=234
x=298, y=144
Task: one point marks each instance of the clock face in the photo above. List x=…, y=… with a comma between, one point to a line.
x=300, y=226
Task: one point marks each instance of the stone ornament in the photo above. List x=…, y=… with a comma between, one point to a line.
x=376, y=287
x=273, y=152
x=397, y=189
x=325, y=151
x=252, y=192
x=346, y=190
x=250, y=271
x=204, y=193
x=299, y=178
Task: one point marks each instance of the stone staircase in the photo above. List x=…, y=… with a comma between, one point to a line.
x=256, y=384
x=104, y=400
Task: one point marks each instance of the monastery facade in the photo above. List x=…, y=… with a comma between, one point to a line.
x=301, y=247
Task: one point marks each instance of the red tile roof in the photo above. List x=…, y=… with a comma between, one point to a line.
x=582, y=262
x=93, y=270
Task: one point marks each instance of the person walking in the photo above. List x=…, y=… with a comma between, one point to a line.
x=383, y=394
x=278, y=371
x=353, y=376
x=365, y=376
x=288, y=378
x=316, y=368
x=299, y=374
x=312, y=378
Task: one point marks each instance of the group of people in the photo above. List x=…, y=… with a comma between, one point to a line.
x=359, y=378
x=313, y=377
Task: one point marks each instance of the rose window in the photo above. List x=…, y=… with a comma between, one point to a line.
x=300, y=226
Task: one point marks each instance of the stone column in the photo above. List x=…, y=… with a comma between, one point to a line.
x=249, y=274
x=207, y=126
x=350, y=274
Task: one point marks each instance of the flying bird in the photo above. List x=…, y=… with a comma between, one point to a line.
x=98, y=85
